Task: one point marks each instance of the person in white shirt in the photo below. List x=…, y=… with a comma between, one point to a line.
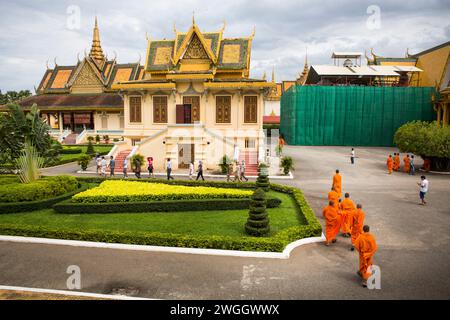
x=103, y=167
x=352, y=156
x=125, y=167
x=98, y=163
x=191, y=170
x=423, y=184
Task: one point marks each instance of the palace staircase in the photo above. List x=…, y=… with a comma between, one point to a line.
x=251, y=162
x=70, y=139
x=119, y=161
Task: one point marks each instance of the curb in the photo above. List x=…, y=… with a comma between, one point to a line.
x=134, y=247
x=72, y=293
x=288, y=177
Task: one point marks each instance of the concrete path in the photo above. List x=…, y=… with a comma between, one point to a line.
x=413, y=240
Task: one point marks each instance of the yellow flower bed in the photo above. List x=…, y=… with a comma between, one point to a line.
x=123, y=191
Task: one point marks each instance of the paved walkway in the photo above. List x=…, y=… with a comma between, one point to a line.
x=414, y=247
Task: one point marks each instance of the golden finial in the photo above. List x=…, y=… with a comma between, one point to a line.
x=193, y=17
x=47, y=65
x=96, y=48
x=264, y=75
x=175, y=28
x=224, y=25
x=78, y=57
x=253, y=33
x=147, y=37
x=54, y=60
x=273, y=74
x=407, y=55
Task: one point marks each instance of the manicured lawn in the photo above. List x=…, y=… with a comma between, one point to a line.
x=101, y=149
x=221, y=223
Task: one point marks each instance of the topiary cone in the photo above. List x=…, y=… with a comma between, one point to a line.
x=258, y=222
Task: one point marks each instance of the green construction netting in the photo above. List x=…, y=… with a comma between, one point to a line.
x=351, y=116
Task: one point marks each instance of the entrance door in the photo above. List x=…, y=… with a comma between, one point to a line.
x=183, y=113
x=194, y=101
x=185, y=155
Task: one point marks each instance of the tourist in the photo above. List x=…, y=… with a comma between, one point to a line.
x=150, y=167
x=236, y=171
x=412, y=169
x=366, y=245
x=281, y=144
x=390, y=164
x=337, y=183
x=357, y=223
x=112, y=166
x=125, y=167
x=406, y=163
x=200, y=170
x=347, y=206
x=229, y=171
x=352, y=156
x=242, y=171
x=98, y=163
x=423, y=184
x=332, y=222
x=169, y=169
x=103, y=166
x=137, y=169
x=396, y=162
x=191, y=170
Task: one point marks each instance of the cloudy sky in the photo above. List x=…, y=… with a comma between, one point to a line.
x=34, y=32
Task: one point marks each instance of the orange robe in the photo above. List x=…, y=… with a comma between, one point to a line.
x=406, y=164
x=337, y=183
x=332, y=222
x=396, y=162
x=390, y=164
x=347, y=206
x=334, y=196
x=366, y=246
x=357, y=223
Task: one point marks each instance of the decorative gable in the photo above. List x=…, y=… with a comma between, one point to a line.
x=86, y=77
x=195, y=49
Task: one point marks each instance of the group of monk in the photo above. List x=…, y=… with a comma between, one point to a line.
x=347, y=218
x=393, y=163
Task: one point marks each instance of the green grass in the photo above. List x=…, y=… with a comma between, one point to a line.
x=101, y=149
x=222, y=223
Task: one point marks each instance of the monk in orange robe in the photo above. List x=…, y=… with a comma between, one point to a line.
x=333, y=196
x=332, y=223
x=337, y=183
x=390, y=164
x=366, y=245
x=347, y=206
x=396, y=161
x=426, y=164
x=357, y=223
x=406, y=163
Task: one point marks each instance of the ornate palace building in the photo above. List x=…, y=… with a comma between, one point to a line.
x=78, y=101
x=195, y=102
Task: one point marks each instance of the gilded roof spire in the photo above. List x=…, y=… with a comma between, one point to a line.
x=273, y=74
x=96, y=48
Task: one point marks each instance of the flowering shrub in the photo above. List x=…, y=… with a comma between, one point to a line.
x=123, y=191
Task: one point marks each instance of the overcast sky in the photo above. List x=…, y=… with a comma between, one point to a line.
x=33, y=32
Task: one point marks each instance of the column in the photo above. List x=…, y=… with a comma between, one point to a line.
x=60, y=121
x=72, y=121
x=445, y=115
x=91, y=121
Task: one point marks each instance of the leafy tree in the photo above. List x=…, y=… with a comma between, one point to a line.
x=426, y=139
x=16, y=127
x=13, y=96
x=84, y=160
x=90, y=148
x=136, y=157
x=258, y=220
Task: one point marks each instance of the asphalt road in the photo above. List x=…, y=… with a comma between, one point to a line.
x=413, y=241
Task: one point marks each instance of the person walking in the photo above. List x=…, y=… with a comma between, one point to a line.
x=191, y=170
x=237, y=176
x=169, y=169
x=98, y=163
x=229, y=171
x=200, y=170
x=366, y=246
x=125, y=167
x=423, y=184
x=150, y=167
x=112, y=166
x=137, y=169
x=352, y=156
x=412, y=169
x=242, y=171
x=103, y=167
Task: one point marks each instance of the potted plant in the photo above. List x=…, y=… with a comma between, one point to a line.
x=97, y=139
x=287, y=164
x=106, y=138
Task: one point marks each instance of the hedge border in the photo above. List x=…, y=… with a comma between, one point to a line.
x=68, y=206
x=27, y=206
x=277, y=243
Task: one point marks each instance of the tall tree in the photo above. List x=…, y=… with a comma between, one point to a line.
x=13, y=96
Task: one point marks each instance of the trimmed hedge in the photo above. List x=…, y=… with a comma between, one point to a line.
x=13, y=207
x=40, y=189
x=158, y=206
x=277, y=243
x=70, y=151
